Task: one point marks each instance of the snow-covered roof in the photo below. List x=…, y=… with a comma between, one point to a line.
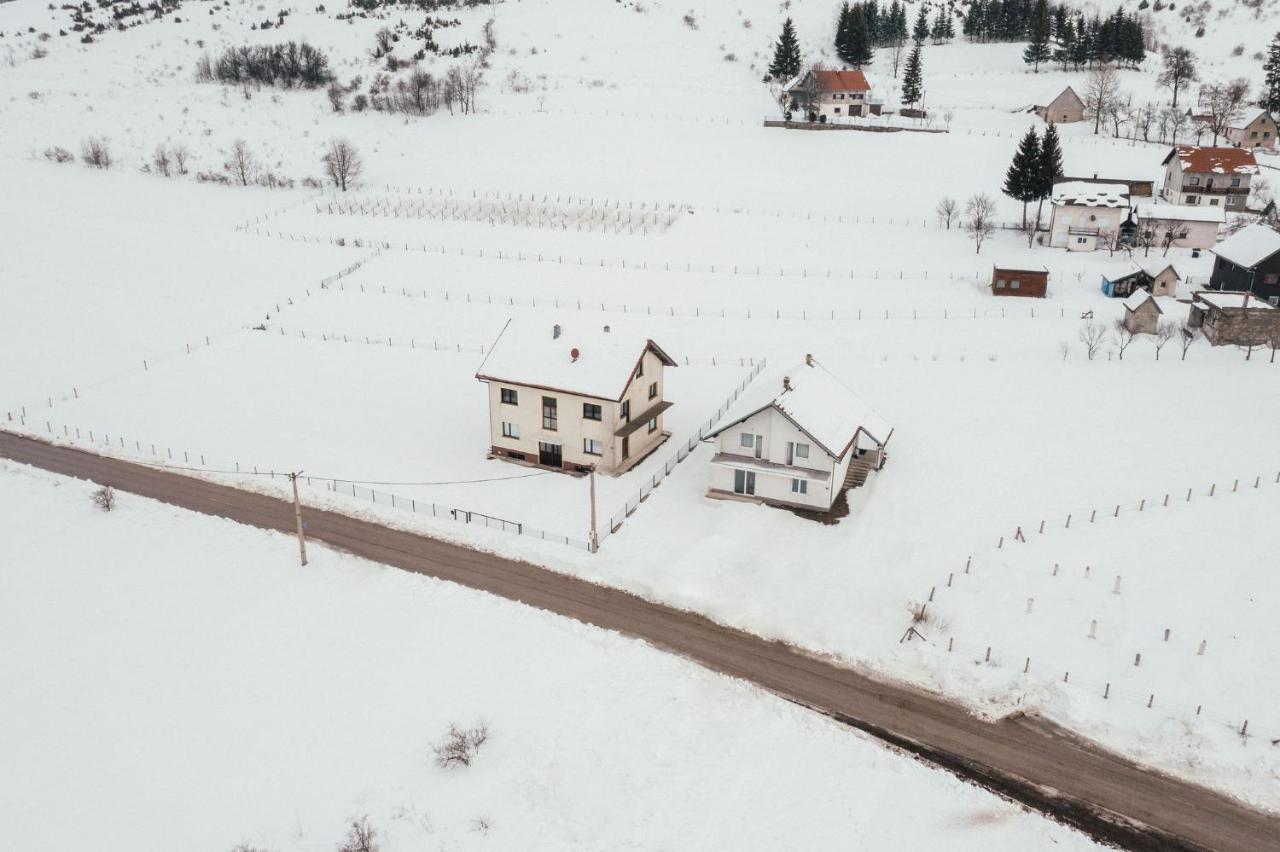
x=1249, y=246
x=530, y=354
x=1219, y=300
x=1053, y=96
x=1214, y=160
x=1155, y=268
x=1082, y=194
x=1181, y=212
x=1248, y=118
x=818, y=403
x=1139, y=297
x=1128, y=268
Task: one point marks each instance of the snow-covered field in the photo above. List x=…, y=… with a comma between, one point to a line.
x=181, y=697
x=633, y=186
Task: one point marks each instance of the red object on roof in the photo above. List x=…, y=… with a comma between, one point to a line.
x=843, y=81
x=1238, y=161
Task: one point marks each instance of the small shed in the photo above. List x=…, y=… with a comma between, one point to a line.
x=1063, y=108
x=1019, y=281
x=1234, y=318
x=1157, y=276
x=1141, y=313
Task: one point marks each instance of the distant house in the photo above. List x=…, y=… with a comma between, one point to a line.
x=1139, y=187
x=832, y=94
x=1141, y=313
x=1182, y=225
x=1158, y=277
x=1213, y=177
x=798, y=443
x=1011, y=281
x=1087, y=216
x=574, y=398
x=1238, y=319
x=1255, y=129
x=1063, y=108
x=1249, y=261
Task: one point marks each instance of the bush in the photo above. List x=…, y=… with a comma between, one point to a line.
x=58, y=155
x=105, y=498
x=95, y=153
x=287, y=64
x=460, y=747
x=361, y=837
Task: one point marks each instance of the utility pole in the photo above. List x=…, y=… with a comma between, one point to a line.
x=297, y=516
x=593, y=542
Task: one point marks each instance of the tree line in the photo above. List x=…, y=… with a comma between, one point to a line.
x=287, y=64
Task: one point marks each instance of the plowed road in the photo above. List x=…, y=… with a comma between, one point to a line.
x=1024, y=758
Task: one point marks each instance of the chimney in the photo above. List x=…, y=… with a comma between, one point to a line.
x=606, y=329
x=786, y=383
x=808, y=360
x=573, y=353
x=555, y=331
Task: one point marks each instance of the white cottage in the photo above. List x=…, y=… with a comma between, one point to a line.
x=1087, y=216
x=798, y=441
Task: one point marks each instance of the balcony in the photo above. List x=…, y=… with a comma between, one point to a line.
x=1083, y=232
x=1202, y=189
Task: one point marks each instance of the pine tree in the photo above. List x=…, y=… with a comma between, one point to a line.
x=786, y=54
x=1081, y=50
x=1022, y=180
x=937, y=33
x=948, y=26
x=920, y=31
x=842, y=35
x=1065, y=44
x=897, y=23
x=1037, y=49
x=1271, y=81
x=860, y=49
x=1048, y=166
x=912, y=79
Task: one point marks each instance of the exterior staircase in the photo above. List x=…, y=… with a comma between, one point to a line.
x=857, y=475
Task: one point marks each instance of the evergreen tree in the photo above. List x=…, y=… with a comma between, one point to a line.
x=912, y=79
x=843, y=49
x=875, y=21
x=920, y=31
x=786, y=54
x=948, y=26
x=1048, y=166
x=1081, y=50
x=938, y=30
x=1022, y=180
x=972, y=28
x=897, y=23
x=1271, y=81
x=860, y=49
x=1064, y=44
x=1038, y=32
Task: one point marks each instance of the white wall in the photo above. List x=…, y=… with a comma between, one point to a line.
x=776, y=431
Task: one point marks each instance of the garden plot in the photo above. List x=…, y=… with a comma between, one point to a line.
x=409, y=422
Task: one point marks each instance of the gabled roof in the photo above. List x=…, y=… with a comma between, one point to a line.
x=819, y=405
x=1138, y=298
x=1152, y=268
x=531, y=355
x=1248, y=118
x=1081, y=194
x=1181, y=212
x=1238, y=161
x=1249, y=246
x=1156, y=268
x=1231, y=299
x=842, y=81
x=1054, y=97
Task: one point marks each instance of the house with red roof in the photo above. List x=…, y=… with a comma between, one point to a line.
x=824, y=95
x=1213, y=177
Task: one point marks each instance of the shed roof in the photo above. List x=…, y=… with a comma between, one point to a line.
x=1230, y=299
x=1085, y=194
x=530, y=354
x=1138, y=298
x=1249, y=246
x=1238, y=161
x=818, y=403
x=1181, y=212
x=1053, y=96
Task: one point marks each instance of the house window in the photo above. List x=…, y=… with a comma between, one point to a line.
x=625, y=411
x=799, y=486
x=1081, y=241
x=653, y=391
x=1000, y=285
x=837, y=110
x=1270, y=278
x=1235, y=181
x=510, y=397
x=516, y=456
x=1193, y=199
x=744, y=482
x=746, y=439
x=591, y=411
x=592, y=447
x=510, y=430
x=1213, y=202
x=802, y=451
x=640, y=368
x=1194, y=181
x=1014, y=285
x=653, y=424
x=550, y=416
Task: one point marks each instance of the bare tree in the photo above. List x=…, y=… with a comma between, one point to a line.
x=1179, y=70
x=361, y=837
x=1165, y=331
x=807, y=94
x=1124, y=336
x=947, y=211
x=897, y=49
x=337, y=95
x=1273, y=340
x=95, y=153
x=947, y=118
x=1101, y=91
x=1190, y=334
x=180, y=157
x=460, y=746
x=105, y=498
x=1092, y=335
x=162, y=161
x=241, y=164
x=1222, y=103
x=342, y=163
x=979, y=219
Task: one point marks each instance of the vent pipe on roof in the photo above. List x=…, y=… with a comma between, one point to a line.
x=606, y=329
x=555, y=331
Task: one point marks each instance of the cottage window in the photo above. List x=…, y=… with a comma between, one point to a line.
x=746, y=439
x=653, y=424
x=1014, y=285
x=625, y=411
x=802, y=451
x=592, y=447
x=1193, y=199
x=510, y=430
x=516, y=456
x=1271, y=278
x=800, y=486
x=1000, y=285
x=653, y=390
x=510, y=397
x=591, y=411
x=1194, y=181
x=837, y=110
x=550, y=414
x=1213, y=202
x=640, y=368
x=744, y=482
x=1235, y=181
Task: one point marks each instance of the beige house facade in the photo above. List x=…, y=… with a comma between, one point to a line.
x=833, y=94
x=1209, y=177
x=584, y=402
x=1065, y=108
x=1087, y=216
x=1256, y=129
x=1182, y=225
x=1141, y=313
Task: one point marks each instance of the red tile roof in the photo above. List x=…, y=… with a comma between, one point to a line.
x=1216, y=160
x=843, y=81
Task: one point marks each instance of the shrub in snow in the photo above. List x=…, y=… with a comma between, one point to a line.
x=105, y=498
x=460, y=746
x=58, y=155
x=690, y=21
x=361, y=837
x=95, y=153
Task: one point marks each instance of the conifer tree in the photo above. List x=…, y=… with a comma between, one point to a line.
x=786, y=54
x=1064, y=44
x=860, y=49
x=936, y=32
x=948, y=26
x=1038, y=32
x=920, y=31
x=842, y=35
x=1022, y=180
x=1048, y=166
x=912, y=79
x=1271, y=80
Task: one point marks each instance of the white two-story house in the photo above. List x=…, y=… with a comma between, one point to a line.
x=1087, y=216
x=1211, y=177
x=798, y=441
x=574, y=398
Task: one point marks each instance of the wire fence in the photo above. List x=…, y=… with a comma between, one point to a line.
x=632, y=503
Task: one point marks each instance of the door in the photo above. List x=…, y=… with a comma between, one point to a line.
x=626, y=446
x=550, y=455
x=791, y=453
x=759, y=445
x=744, y=482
